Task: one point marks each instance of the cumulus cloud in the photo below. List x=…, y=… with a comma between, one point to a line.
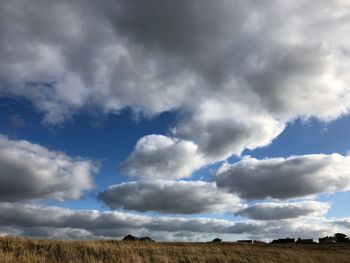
x=260, y=74
x=179, y=197
x=157, y=156
x=221, y=128
x=55, y=222
x=282, y=178
x=236, y=71
x=30, y=171
x=278, y=211
x=66, y=56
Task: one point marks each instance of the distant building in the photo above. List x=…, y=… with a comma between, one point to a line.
x=327, y=240
x=284, y=241
x=305, y=241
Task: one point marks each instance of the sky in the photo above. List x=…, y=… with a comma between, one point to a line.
x=180, y=120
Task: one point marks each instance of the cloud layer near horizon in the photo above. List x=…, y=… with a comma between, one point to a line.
x=55, y=222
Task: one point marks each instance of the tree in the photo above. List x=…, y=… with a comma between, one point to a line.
x=340, y=237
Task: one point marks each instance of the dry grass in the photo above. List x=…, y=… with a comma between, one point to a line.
x=25, y=250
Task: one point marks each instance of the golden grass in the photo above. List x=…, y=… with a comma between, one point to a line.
x=29, y=251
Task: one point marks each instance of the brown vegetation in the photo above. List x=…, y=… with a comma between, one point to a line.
x=25, y=250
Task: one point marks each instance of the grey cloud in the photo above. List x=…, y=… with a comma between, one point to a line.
x=259, y=65
x=278, y=211
x=180, y=236
x=296, y=176
x=9, y=231
x=25, y=216
x=41, y=221
x=181, y=28
x=280, y=80
x=343, y=222
x=65, y=56
x=158, y=56
x=178, y=197
x=304, y=72
x=55, y=222
x=161, y=157
x=220, y=135
x=30, y=171
x=313, y=228
x=57, y=233
x=204, y=225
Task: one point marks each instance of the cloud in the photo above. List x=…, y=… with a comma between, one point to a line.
x=278, y=211
x=178, y=197
x=343, y=222
x=237, y=72
x=250, y=79
x=307, y=228
x=54, y=222
x=26, y=216
x=66, y=56
x=283, y=178
x=8, y=231
x=221, y=128
x=157, y=156
x=30, y=171
x=57, y=233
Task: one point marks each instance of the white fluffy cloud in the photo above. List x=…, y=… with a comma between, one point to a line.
x=236, y=71
x=30, y=171
x=180, y=197
x=157, y=156
x=221, y=128
x=282, y=178
x=66, y=56
x=278, y=211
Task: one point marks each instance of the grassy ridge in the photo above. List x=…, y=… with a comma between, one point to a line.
x=25, y=250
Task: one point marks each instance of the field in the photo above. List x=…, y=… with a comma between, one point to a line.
x=25, y=250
